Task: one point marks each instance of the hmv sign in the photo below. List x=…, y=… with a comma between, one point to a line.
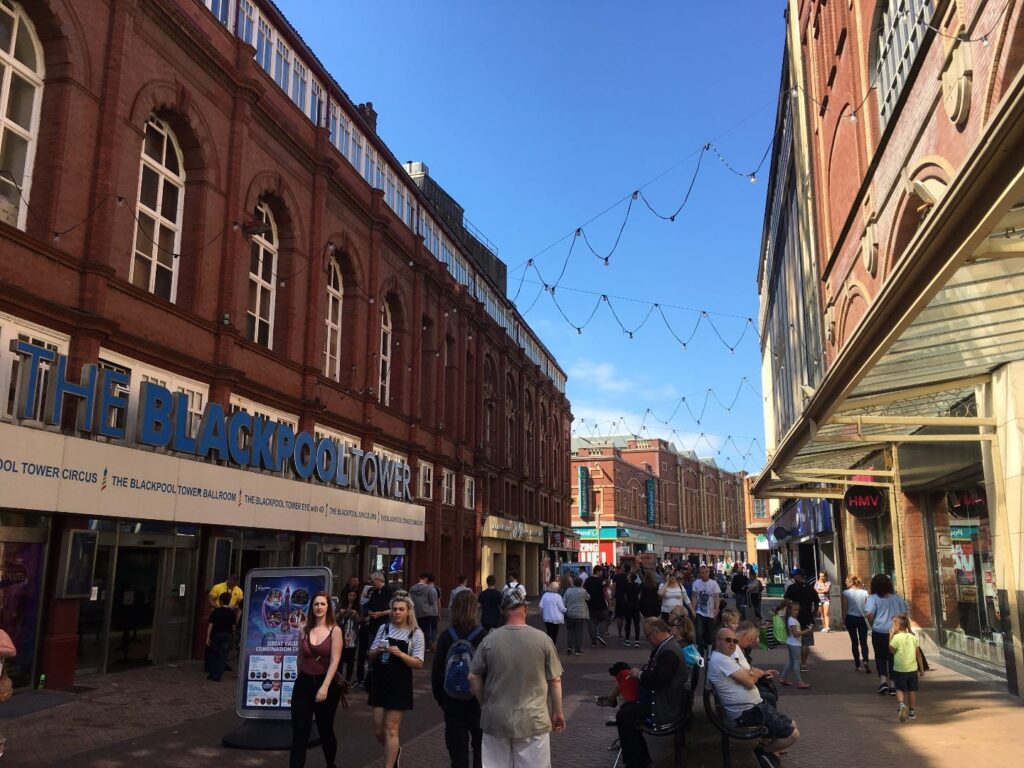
x=865, y=501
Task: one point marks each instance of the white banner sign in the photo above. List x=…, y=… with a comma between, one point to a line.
x=48, y=471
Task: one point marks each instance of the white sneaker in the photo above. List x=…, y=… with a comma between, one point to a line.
x=904, y=713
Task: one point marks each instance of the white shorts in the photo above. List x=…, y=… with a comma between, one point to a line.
x=499, y=752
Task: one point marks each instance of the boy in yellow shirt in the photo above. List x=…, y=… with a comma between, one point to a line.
x=907, y=665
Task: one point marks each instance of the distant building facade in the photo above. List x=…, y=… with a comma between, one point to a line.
x=642, y=496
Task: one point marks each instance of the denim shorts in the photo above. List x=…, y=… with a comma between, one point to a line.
x=779, y=725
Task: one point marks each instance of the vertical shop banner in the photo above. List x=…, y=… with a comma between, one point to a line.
x=584, y=498
x=652, y=515
x=21, y=574
x=277, y=602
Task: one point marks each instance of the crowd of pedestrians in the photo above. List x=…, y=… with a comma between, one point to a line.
x=497, y=681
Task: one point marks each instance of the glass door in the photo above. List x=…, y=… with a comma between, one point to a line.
x=174, y=620
x=94, y=610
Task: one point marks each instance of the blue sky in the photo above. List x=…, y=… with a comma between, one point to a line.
x=537, y=116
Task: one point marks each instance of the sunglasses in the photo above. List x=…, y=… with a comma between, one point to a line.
x=730, y=640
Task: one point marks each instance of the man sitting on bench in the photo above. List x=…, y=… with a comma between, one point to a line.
x=662, y=694
x=735, y=684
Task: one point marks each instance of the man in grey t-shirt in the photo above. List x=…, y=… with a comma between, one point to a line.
x=514, y=672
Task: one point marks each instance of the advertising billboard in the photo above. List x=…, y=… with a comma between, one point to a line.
x=277, y=602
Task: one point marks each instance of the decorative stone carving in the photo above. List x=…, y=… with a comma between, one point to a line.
x=956, y=78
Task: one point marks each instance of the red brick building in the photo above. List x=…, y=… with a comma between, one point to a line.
x=189, y=200
x=646, y=497
x=891, y=283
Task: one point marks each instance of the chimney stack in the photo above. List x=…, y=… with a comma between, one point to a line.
x=369, y=115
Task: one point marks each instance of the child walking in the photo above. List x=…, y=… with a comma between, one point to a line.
x=907, y=665
x=794, y=641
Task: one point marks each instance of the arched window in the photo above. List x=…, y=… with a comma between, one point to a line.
x=386, y=335
x=262, y=278
x=21, y=65
x=158, y=212
x=900, y=28
x=332, y=337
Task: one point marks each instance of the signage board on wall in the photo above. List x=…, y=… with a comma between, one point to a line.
x=51, y=472
x=652, y=515
x=277, y=603
x=864, y=501
x=163, y=421
x=584, y=492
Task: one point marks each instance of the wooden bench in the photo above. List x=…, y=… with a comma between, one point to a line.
x=716, y=714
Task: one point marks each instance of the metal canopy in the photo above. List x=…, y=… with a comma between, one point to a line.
x=927, y=377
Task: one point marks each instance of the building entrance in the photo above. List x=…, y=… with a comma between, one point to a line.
x=138, y=610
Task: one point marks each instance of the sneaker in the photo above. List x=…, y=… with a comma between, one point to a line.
x=912, y=715
x=593, y=645
x=766, y=759
x=903, y=712
x=601, y=640
x=604, y=701
x=636, y=643
x=804, y=668
x=882, y=689
x=803, y=686
x=856, y=667
x=892, y=691
x=867, y=668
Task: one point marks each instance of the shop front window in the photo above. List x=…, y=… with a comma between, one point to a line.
x=880, y=556
x=22, y=555
x=966, y=575
x=388, y=557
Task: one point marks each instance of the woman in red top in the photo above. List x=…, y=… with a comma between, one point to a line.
x=315, y=694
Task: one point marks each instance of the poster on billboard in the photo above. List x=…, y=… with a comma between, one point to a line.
x=21, y=576
x=277, y=602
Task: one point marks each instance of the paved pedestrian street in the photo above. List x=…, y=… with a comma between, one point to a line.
x=171, y=716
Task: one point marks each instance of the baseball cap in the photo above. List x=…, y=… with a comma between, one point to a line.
x=512, y=598
x=796, y=572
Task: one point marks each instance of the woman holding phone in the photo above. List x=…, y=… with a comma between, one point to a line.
x=395, y=652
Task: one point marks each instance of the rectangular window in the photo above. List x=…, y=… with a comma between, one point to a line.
x=332, y=123
x=221, y=9
x=245, y=21
x=389, y=194
x=426, y=480
x=370, y=166
x=138, y=372
x=400, y=204
x=11, y=330
x=264, y=45
x=449, y=487
x=356, y=158
x=469, y=494
x=344, y=130
x=341, y=439
x=299, y=77
x=283, y=66
x=117, y=418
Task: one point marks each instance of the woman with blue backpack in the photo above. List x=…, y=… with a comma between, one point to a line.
x=450, y=681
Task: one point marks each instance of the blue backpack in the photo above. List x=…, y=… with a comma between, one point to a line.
x=457, y=663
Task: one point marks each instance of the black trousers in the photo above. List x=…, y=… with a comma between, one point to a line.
x=347, y=663
x=705, y=630
x=755, y=605
x=552, y=630
x=631, y=738
x=304, y=709
x=462, y=731
x=883, y=659
x=364, y=645
x=857, y=628
x=217, y=654
x=633, y=620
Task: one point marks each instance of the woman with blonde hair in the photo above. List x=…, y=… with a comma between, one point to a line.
x=853, y=599
x=315, y=694
x=394, y=653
